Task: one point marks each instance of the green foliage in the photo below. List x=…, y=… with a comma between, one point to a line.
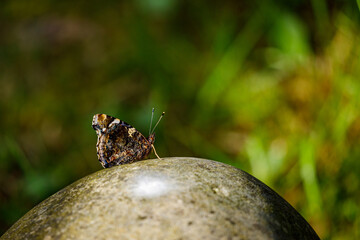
x=269, y=87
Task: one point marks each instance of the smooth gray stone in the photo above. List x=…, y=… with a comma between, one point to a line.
x=172, y=198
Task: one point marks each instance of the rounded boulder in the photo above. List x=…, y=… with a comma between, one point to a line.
x=172, y=198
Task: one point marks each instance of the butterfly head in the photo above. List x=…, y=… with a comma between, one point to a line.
x=151, y=138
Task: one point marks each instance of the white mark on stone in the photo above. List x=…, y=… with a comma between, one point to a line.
x=150, y=186
x=221, y=190
x=224, y=191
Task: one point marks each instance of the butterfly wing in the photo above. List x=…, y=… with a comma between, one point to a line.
x=120, y=143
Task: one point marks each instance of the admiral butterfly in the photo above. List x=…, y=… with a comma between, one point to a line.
x=119, y=143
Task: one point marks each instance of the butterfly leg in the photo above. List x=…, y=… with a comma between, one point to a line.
x=155, y=152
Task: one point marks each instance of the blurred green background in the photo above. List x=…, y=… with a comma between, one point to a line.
x=271, y=87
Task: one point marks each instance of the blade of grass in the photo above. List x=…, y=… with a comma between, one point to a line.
x=308, y=175
x=229, y=65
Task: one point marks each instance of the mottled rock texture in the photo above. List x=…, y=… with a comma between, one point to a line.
x=172, y=198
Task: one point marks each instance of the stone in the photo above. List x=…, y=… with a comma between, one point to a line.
x=172, y=198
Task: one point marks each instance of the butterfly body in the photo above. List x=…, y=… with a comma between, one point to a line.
x=118, y=142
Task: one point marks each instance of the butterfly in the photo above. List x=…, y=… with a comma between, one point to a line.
x=120, y=143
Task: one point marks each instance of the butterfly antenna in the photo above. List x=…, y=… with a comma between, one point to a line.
x=152, y=116
x=162, y=115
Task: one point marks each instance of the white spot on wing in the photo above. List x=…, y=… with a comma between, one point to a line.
x=131, y=131
x=115, y=121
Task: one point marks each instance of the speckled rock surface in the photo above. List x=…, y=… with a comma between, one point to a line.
x=173, y=198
